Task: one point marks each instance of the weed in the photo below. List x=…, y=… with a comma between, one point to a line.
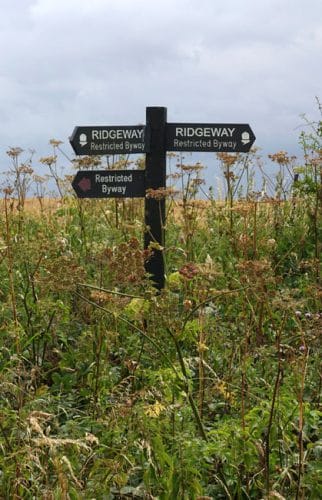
x=208, y=388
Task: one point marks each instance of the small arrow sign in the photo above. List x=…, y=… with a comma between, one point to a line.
x=209, y=137
x=108, y=140
x=109, y=184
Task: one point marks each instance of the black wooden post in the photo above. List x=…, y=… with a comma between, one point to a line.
x=155, y=178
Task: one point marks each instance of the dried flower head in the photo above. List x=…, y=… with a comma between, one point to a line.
x=14, y=152
x=87, y=162
x=189, y=270
x=25, y=169
x=228, y=159
x=39, y=179
x=160, y=193
x=55, y=142
x=48, y=160
x=196, y=167
x=281, y=158
x=8, y=191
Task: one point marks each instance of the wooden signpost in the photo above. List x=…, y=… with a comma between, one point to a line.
x=154, y=139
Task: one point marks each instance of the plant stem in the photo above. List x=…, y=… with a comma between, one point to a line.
x=302, y=367
x=271, y=413
x=10, y=265
x=187, y=388
x=202, y=346
x=255, y=232
x=139, y=330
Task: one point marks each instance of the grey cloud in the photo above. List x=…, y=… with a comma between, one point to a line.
x=68, y=62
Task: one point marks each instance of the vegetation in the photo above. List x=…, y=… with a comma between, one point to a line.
x=210, y=388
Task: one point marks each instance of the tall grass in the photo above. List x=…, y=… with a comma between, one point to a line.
x=208, y=389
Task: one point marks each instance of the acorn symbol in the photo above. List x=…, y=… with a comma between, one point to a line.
x=245, y=138
x=83, y=139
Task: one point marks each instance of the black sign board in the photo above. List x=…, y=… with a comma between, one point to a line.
x=154, y=139
x=209, y=137
x=102, y=140
x=109, y=184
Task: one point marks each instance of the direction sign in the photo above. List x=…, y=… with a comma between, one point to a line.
x=225, y=137
x=155, y=139
x=109, y=183
x=108, y=140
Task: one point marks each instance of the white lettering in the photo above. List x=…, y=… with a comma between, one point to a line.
x=117, y=134
x=206, y=132
x=110, y=190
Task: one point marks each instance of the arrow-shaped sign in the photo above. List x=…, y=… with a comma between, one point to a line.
x=108, y=140
x=209, y=137
x=109, y=184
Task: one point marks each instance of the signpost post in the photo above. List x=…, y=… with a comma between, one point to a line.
x=155, y=178
x=154, y=139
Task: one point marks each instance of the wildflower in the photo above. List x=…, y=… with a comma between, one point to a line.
x=131, y=365
x=48, y=160
x=271, y=242
x=8, y=191
x=86, y=162
x=281, y=157
x=154, y=245
x=39, y=179
x=202, y=347
x=227, y=159
x=3, y=245
x=187, y=305
x=197, y=182
x=190, y=168
x=137, y=309
x=160, y=193
x=55, y=142
x=189, y=270
x=154, y=410
x=25, y=169
x=221, y=387
x=174, y=281
x=14, y=152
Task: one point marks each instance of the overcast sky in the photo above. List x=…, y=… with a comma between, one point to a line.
x=102, y=62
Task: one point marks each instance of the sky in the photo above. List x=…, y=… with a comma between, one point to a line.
x=66, y=63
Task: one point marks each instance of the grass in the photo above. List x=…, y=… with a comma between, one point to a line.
x=208, y=389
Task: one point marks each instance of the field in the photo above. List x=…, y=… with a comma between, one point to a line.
x=209, y=389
